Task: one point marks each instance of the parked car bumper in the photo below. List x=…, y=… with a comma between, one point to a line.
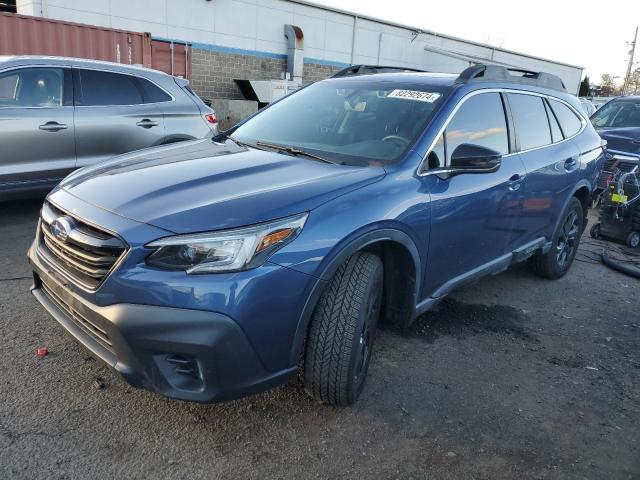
x=181, y=353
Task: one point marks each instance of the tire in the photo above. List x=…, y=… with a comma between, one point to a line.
x=595, y=231
x=342, y=331
x=633, y=239
x=558, y=260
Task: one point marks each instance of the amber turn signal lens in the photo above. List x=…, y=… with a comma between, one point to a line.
x=273, y=238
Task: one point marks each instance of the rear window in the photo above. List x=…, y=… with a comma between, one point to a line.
x=570, y=123
x=106, y=88
x=530, y=119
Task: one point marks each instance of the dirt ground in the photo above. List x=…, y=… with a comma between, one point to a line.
x=512, y=377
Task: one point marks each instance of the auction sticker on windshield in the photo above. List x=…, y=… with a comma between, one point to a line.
x=429, y=97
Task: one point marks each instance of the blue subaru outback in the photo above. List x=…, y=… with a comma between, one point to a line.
x=214, y=269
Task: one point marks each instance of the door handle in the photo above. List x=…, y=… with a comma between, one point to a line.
x=515, y=182
x=52, y=127
x=570, y=164
x=146, y=123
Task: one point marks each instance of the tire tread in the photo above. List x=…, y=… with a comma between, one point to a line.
x=333, y=328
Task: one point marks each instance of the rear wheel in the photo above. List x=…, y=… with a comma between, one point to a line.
x=557, y=261
x=342, y=331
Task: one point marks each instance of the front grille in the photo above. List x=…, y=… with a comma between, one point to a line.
x=86, y=325
x=613, y=166
x=83, y=252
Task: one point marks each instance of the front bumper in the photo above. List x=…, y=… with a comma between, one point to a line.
x=180, y=353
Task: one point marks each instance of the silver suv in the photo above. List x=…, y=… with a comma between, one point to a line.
x=59, y=114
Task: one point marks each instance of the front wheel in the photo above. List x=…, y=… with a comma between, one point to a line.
x=342, y=331
x=633, y=239
x=557, y=261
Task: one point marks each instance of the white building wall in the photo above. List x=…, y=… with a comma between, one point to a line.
x=257, y=26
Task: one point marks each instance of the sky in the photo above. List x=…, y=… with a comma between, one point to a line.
x=579, y=33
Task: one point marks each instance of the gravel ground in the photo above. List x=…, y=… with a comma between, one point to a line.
x=511, y=377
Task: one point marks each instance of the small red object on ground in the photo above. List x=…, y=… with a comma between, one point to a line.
x=42, y=352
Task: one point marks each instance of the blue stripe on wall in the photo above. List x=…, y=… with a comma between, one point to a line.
x=255, y=53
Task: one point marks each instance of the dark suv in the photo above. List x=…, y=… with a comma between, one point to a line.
x=212, y=269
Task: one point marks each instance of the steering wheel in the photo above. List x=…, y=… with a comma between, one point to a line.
x=396, y=138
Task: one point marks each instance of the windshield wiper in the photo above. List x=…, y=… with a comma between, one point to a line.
x=293, y=151
x=221, y=137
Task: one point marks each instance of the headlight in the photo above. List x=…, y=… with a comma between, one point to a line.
x=225, y=250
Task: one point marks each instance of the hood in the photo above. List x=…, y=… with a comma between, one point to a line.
x=625, y=140
x=199, y=186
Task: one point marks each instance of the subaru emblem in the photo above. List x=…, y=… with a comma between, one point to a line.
x=61, y=227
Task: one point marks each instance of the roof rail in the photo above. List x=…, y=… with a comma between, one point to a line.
x=498, y=73
x=355, y=70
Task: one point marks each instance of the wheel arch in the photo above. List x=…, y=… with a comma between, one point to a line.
x=397, y=251
x=583, y=193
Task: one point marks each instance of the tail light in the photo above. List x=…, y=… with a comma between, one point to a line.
x=211, y=118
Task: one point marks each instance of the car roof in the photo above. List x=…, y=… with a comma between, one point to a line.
x=442, y=80
x=627, y=98
x=489, y=75
x=21, y=60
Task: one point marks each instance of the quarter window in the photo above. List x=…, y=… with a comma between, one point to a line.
x=106, y=88
x=569, y=121
x=32, y=87
x=530, y=119
x=151, y=93
x=479, y=121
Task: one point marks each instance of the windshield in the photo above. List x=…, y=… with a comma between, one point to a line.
x=618, y=114
x=350, y=122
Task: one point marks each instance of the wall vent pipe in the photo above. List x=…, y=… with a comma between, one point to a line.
x=295, y=52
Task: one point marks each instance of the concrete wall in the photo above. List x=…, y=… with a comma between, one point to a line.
x=256, y=28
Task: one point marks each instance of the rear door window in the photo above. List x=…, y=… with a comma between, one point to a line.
x=479, y=121
x=530, y=119
x=569, y=121
x=107, y=88
x=32, y=87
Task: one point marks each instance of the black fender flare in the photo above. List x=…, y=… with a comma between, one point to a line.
x=582, y=183
x=330, y=265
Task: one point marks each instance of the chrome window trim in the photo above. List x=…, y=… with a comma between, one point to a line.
x=425, y=173
x=72, y=67
x=22, y=67
x=173, y=99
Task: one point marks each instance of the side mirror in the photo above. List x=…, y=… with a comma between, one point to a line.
x=470, y=158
